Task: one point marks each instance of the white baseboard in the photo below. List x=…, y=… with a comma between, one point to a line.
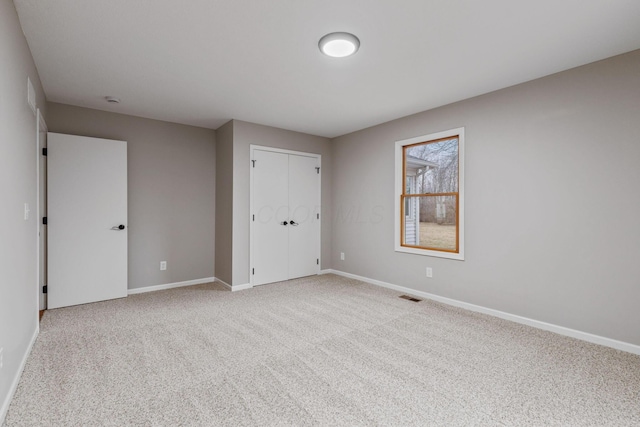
x=228, y=286
x=241, y=287
x=584, y=336
x=16, y=378
x=234, y=288
x=170, y=285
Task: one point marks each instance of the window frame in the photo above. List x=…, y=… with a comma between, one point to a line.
x=400, y=196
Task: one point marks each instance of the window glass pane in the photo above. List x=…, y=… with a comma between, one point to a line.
x=433, y=166
x=433, y=225
x=410, y=185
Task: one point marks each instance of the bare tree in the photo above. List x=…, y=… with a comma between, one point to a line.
x=442, y=178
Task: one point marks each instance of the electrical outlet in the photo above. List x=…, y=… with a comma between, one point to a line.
x=1, y=357
x=429, y=272
x=163, y=265
x=342, y=256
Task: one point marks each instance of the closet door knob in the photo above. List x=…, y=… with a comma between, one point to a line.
x=284, y=223
x=294, y=223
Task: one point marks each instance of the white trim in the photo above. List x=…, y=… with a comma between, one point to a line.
x=31, y=96
x=16, y=379
x=252, y=148
x=584, y=336
x=226, y=285
x=41, y=127
x=399, y=188
x=170, y=285
x=281, y=150
x=236, y=288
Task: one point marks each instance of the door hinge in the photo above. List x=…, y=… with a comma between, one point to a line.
x=254, y=217
x=318, y=216
x=44, y=151
x=44, y=289
x=317, y=261
x=254, y=163
x=253, y=271
x=44, y=220
x=318, y=169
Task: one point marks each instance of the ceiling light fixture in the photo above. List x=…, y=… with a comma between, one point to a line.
x=339, y=45
x=112, y=99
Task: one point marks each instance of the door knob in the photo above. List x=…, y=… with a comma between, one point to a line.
x=118, y=227
x=294, y=223
x=284, y=223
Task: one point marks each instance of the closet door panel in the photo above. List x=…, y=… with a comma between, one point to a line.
x=271, y=210
x=304, y=207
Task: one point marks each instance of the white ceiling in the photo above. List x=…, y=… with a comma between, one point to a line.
x=203, y=62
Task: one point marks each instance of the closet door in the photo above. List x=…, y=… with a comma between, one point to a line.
x=270, y=240
x=285, y=224
x=304, y=209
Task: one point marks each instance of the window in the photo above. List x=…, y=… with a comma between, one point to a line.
x=430, y=195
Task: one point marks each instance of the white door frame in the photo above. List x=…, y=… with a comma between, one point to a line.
x=41, y=127
x=254, y=147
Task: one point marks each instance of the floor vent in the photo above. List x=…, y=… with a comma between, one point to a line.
x=410, y=298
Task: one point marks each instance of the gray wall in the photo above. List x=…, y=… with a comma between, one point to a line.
x=18, y=285
x=224, y=202
x=171, y=171
x=245, y=134
x=552, y=200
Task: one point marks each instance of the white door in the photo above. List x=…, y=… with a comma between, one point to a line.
x=87, y=218
x=304, y=210
x=285, y=232
x=270, y=217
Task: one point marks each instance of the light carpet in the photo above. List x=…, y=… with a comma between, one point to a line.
x=323, y=350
